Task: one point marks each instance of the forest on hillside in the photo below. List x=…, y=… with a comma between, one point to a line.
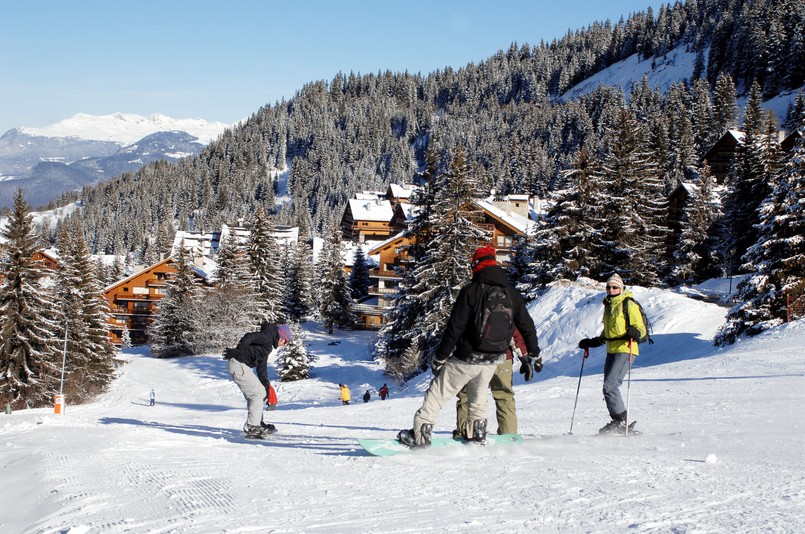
x=358, y=132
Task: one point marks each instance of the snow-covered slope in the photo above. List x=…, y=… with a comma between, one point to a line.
x=721, y=449
x=127, y=128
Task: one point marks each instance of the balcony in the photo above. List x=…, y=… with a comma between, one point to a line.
x=374, y=290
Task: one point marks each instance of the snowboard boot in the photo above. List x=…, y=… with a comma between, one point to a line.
x=255, y=431
x=479, y=431
x=425, y=431
x=616, y=426
x=458, y=434
x=268, y=427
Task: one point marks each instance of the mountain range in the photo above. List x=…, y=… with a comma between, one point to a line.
x=88, y=149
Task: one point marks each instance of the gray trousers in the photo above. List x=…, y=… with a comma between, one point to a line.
x=253, y=390
x=503, y=395
x=615, y=369
x=455, y=375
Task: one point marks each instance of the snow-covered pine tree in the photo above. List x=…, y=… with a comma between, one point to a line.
x=264, y=254
x=632, y=215
x=30, y=358
x=334, y=295
x=293, y=363
x=90, y=359
x=777, y=259
x=299, y=294
x=359, y=276
x=125, y=338
x=173, y=331
x=444, y=268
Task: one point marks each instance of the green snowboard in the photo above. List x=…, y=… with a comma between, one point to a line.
x=391, y=447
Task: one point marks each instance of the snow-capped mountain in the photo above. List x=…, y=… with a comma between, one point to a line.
x=87, y=149
x=126, y=128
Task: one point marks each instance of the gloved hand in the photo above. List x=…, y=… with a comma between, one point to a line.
x=436, y=366
x=525, y=368
x=537, y=361
x=633, y=333
x=590, y=342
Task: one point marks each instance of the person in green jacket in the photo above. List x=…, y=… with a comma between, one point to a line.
x=621, y=342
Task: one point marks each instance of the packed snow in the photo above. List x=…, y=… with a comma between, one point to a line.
x=721, y=449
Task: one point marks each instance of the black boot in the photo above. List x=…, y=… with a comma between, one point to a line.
x=479, y=431
x=616, y=426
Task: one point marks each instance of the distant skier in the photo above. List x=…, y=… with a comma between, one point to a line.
x=152, y=398
x=345, y=394
x=251, y=353
x=384, y=392
x=366, y=396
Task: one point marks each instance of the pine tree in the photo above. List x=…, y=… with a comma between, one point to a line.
x=777, y=258
x=334, y=295
x=173, y=331
x=725, y=106
x=359, y=276
x=299, y=295
x=293, y=363
x=90, y=353
x=268, y=276
x=30, y=359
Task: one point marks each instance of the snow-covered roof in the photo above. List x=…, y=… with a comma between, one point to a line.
x=370, y=210
x=401, y=191
x=518, y=222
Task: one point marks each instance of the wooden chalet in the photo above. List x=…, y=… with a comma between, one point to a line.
x=367, y=220
x=133, y=300
x=721, y=154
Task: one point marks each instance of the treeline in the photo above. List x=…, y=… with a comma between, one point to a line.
x=359, y=132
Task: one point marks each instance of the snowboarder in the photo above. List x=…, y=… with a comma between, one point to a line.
x=152, y=398
x=502, y=389
x=252, y=352
x=384, y=392
x=366, y=396
x=458, y=362
x=620, y=339
x=345, y=394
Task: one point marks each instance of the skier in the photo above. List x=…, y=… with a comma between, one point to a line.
x=502, y=390
x=620, y=339
x=252, y=352
x=384, y=392
x=458, y=362
x=366, y=396
x=345, y=394
x=152, y=398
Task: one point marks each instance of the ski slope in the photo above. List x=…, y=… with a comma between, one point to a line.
x=722, y=448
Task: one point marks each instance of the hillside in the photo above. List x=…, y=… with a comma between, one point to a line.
x=722, y=431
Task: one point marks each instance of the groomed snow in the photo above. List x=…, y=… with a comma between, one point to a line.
x=722, y=449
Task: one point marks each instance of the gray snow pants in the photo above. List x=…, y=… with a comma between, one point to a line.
x=445, y=386
x=253, y=390
x=615, y=369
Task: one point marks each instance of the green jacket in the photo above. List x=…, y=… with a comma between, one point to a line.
x=614, y=332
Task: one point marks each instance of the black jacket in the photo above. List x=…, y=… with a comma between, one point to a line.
x=254, y=348
x=459, y=329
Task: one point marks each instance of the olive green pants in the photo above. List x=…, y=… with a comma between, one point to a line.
x=502, y=393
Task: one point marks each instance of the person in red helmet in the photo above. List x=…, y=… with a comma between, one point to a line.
x=474, y=342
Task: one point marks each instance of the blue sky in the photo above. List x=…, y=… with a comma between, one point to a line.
x=222, y=60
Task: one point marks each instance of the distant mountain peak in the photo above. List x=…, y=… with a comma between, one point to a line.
x=126, y=128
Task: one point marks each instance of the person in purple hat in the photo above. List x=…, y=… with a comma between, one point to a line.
x=251, y=353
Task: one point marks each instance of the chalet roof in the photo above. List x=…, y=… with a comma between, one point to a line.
x=516, y=222
x=401, y=191
x=378, y=247
x=370, y=210
x=200, y=272
x=736, y=136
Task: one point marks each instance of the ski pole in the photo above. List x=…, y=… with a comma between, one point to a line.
x=586, y=353
x=628, y=387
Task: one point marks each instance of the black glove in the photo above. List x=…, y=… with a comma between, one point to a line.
x=590, y=342
x=525, y=368
x=436, y=366
x=537, y=360
x=633, y=333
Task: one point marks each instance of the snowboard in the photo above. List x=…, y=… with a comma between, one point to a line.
x=392, y=447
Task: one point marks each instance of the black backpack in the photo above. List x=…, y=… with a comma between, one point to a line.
x=646, y=322
x=494, y=320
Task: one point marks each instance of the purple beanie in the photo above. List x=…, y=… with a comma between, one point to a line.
x=284, y=332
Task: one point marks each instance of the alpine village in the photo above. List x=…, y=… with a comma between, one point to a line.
x=357, y=203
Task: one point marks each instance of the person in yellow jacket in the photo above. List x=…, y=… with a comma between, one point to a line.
x=345, y=396
x=621, y=341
